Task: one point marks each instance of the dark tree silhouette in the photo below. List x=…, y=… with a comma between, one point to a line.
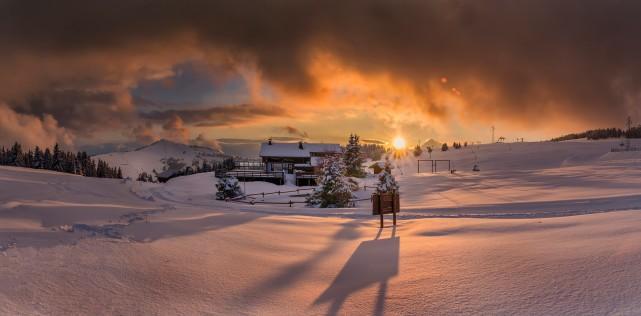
x=79, y=163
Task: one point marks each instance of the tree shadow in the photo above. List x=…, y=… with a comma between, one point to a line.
x=293, y=272
x=373, y=262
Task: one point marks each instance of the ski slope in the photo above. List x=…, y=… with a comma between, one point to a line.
x=492, y=242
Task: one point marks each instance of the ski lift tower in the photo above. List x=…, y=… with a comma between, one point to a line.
x=492, y=134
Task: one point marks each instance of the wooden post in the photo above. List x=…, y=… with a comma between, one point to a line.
x=394, y=218
x=381, y=220
x=290, y=203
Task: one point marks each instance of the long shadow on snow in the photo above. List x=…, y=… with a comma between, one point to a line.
x=292, y=273
x=373, y=262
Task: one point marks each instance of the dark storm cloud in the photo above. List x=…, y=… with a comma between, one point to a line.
x=77, y=110
x=218, y=115
x=510, y=59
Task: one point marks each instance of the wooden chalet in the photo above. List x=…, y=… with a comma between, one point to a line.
x=300, y=159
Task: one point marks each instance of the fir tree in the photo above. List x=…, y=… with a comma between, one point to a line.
x=333, y=190
x=46, y=163
x=386, y=181
x=353, y=158
x=16, y=156
x=57, y=159
x=37, y=158
x=228, y=187
x=418, y=151
x=28, y=159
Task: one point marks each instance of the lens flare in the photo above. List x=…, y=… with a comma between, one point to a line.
x=399, y=142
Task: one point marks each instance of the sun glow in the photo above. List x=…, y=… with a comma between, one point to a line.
x=399, y=143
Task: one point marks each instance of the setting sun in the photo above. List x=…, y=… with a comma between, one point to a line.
x=399, y=142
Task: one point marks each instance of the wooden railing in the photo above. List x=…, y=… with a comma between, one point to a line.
x=242, y=198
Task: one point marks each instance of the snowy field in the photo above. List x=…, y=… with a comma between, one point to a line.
x=493, y=242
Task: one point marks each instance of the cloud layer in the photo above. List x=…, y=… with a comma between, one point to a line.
x=530, y=63
x=31, y=131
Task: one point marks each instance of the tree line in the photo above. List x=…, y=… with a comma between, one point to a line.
x=602, y=133
x=373, y=151
x=79, y=163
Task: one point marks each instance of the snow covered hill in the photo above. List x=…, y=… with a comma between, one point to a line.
x=435, y=144
x=160, y=156
x=523, y=179
x=70, y=244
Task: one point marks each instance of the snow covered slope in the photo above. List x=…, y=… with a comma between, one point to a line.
x=182, y=253
x=161, y=155
x=523, y=179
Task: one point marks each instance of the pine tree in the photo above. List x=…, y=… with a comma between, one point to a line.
x=386, y=181
x=228, y=187
x=28, y=159
x=333, y=190
x=444, y=147
x=16, y=156
x=47, y=159
x=57, y=159
x=353, y=158
x=37, y=158
x=418, y=151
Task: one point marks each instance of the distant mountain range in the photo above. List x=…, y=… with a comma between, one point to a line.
x=161, y=156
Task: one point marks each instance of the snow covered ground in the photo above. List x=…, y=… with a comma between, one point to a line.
x=493, y=242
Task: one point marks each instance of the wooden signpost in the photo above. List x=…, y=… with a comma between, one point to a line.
x=385, y=203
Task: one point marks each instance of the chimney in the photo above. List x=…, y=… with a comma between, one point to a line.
x=269, y=141
x=300, y=145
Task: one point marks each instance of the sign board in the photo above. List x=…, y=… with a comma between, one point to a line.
x=385, y=203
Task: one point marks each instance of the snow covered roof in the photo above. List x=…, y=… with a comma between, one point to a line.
x=293, y=150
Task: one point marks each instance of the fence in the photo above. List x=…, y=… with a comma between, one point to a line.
x=352, y=203
x=241, y=199
x=434, y=163
x=275, y=177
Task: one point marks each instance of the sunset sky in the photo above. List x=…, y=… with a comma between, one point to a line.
x=130, y=72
